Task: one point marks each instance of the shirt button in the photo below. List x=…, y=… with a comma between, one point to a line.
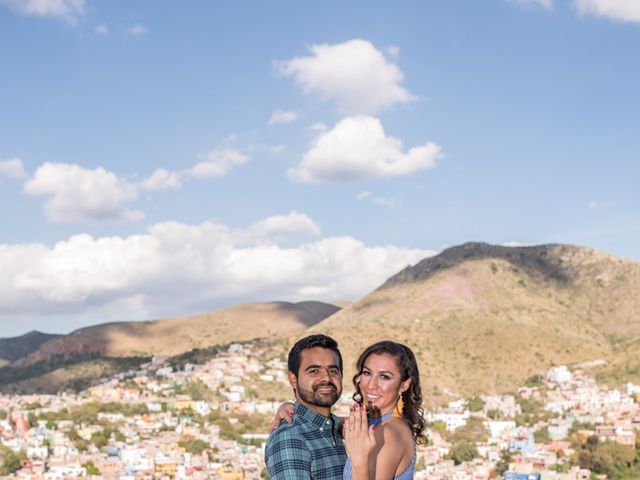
x=321, y=429
x=327, y=422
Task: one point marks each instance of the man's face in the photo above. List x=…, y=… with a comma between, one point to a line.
x=319, y=380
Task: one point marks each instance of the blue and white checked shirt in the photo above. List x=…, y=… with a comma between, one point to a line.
x=310, y=447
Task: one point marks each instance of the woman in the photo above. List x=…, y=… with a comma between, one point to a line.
x=386, y=423
x=381, y=445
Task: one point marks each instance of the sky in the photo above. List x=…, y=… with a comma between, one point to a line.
x=162, y=157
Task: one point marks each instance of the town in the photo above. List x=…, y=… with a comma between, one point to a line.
x=211, y=419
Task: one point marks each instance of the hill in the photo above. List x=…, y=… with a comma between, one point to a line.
x=483, y=318
x=176, y=335
x=15, y=347
x=75, y=360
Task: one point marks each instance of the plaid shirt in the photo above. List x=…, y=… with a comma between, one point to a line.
x=310, y=447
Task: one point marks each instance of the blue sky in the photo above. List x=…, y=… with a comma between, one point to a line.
x=163, y=158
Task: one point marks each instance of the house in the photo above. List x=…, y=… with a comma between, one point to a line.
x=520, y=476
x=522, y=444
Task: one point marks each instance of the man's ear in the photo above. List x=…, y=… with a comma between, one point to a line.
x=293, y=380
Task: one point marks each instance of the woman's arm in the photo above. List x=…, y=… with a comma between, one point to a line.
x=361, y=442
x=375, y=453
x=285, y=412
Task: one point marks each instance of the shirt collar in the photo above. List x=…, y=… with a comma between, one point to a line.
x=305, y=414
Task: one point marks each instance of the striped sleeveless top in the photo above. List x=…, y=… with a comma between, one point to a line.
x=407, y=474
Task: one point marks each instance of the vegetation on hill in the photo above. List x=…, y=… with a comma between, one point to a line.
x=16, y=347
x=484, y=318
x=59, y=374
x=617, y=461
x=10, y=460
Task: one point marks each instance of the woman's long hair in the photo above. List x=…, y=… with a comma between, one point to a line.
x=412, y=412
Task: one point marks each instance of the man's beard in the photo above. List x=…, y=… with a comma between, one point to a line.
x=312, y=397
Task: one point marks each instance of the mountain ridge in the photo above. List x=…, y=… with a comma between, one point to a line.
x=483, y=318
x=13, y=348
x=178, y=334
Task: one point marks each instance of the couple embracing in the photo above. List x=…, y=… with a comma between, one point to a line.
x=382, y=429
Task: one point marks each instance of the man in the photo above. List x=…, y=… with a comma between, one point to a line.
x=310, y=447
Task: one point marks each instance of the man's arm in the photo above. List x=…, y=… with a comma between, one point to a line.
x=287, y=456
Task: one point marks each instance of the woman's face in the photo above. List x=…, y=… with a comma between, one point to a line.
x=381, y=382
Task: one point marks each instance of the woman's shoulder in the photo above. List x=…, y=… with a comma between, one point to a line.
x=397, y=446
x=397, y=430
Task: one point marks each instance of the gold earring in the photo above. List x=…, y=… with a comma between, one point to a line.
x=397, y=412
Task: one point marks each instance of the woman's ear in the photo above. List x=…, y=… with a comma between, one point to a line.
x=404, y=386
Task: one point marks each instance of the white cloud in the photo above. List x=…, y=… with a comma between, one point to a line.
x=354, y=74
x=358, y=148
x=13, y=168
x=283, y=226
x=515, y=244
x=176, y=268
x=363, y=195
x=548, y=4
x=619, y=10
x=218, y=163
x=101, y=29
x=593, y=204
x=162, y=179
x=68, y=10
x=281, y=117
x=138, y=30
x=79, y=194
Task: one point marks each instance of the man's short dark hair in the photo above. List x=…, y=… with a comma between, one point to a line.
x=319, y=340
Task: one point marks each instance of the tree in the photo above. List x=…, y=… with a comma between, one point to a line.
x=438, y=426
x=561, y=467
x=613, y=458
x=11, y=461
x=32, y=420
x=191, y=445
x=91, y=468
x=473, y=432
x=542, y=435
x=81, y=444
x=584, y=458
x=494, y=414
x=86, y=413
x=475, y=404
x=532, y=411
x=534, y=381
x=100, y=439
x=463, y=451
x=503, y=464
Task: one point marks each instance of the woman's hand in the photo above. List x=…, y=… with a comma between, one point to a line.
x=360, y=440
x=285, y=412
